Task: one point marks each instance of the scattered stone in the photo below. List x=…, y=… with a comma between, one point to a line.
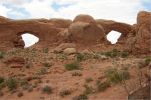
x=20, y=94
x=70, y=51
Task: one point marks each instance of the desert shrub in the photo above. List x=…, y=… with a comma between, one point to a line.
x=116, y=76
x=47, y=89
x=81, y=97
x=1, y=80
x=23, y=82
x=124, y=54
x=80, y=57
x=11, y=84
x=65, y=93
x=102, y=86
x=1, y=54
x=147, y=60
x=116, y=53
x=76, y=73
x=144, y=63
x=72, y=66
x=47, y=64
x=42, y=71
x=88, y=90
x=112, y=54
x=88, y=79
x=45, y=50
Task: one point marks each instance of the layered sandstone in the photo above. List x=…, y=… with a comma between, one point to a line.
x=84, y=30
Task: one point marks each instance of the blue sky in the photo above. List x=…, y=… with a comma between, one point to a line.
x=105, y=9
x=118, y=10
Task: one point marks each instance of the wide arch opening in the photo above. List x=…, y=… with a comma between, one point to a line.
x=113, y=36
x=29, y=39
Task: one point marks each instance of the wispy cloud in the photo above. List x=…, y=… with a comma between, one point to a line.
x=120, y=10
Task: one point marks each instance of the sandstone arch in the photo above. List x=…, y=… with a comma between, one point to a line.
x=11, y=29
x=110, y=25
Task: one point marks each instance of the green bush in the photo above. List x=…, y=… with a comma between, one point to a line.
x=45, y=50
x=47, y=89
x=88, y=79
x=112, y=54
x=116, y=76
x=116, y=53
x=65, y=93
x=1, y=54
x=88, y=90
x=81, y=97
x=23, y=82
x=80, y=57
x=47, y=64
x=1, y=80
x=42, y=71
x=72, y=66
x=124, y=54
x=147, y=60
x=11, y=84
x=76, y=73
x=102, y=86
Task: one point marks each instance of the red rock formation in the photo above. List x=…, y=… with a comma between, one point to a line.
x=140, y=40
x=110, y=25
x=84, y=31
x=11, y=29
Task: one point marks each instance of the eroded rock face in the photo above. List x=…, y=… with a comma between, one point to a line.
x=140, y=40
x=84, y=31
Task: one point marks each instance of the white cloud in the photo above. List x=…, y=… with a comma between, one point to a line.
x=3, y=11
x=16, y=2
x=39, y=8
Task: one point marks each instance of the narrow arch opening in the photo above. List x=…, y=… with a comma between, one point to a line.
x=29, y=39
x=113, y=36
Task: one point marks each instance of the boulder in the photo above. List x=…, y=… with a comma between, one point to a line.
x=63, y=46
x=70, y=51
x=86, y=33
x=84, y=18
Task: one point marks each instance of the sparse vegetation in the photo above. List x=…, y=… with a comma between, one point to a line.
x=80, y=57
x=42, y=71
x=47, y=89
x=47, y=64
x=145, y=62
x=1, y=80
x=116, y=76
x=102, y=86
x=45, y=50
x=23, y=82
x=1, y=54
x=81, y=97
x=88, y=90
x=11, y=83
x=124, y=54
x=72, y=66
x=148, y=60
x=76, y=73
x=115, y=53
x=88, y=80
x=65, y=93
